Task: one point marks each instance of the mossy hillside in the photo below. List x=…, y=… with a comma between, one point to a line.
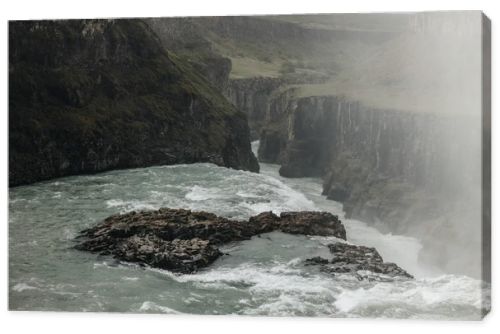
x=189, y=42
x=86, y=96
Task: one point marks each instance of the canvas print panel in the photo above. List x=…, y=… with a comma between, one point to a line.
x=332, y=165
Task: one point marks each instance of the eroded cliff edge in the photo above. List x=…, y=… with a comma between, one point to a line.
x=92, y=95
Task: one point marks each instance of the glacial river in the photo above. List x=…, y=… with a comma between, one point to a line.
x=262, y=276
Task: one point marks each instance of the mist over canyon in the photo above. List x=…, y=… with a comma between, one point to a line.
x=385, y=108
x=374, y=120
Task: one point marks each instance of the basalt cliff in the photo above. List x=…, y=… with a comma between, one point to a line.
x=396, y=169
x=92, y=95
x=361, y=107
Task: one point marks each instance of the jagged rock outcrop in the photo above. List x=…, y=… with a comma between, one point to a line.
x=361, y=261
x=92, y=95
x=184, y=241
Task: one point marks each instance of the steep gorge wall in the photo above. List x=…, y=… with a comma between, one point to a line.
x=253, y=97
x=93, y=95
x=265, y=99
x=407, y=172
x=188, y=36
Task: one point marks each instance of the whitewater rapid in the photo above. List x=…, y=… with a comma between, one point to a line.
x=261, y=276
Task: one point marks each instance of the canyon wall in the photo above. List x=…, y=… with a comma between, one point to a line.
x=356, y=100
x=92, y=95
x=405, y=172
x=253, y=96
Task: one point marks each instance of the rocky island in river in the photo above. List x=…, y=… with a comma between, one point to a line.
x=185, y=241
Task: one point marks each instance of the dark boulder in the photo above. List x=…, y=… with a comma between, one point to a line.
x=177, y=255
x=312, y=223
x=316, y=260
x=361, y=261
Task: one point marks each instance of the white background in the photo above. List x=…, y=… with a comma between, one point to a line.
x=49, y=322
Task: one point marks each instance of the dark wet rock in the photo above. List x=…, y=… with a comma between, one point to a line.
x=316, y=260
x=312, y=223
x=184, y=241
x=177, y=255
x=337, y=193
x=86, y=96
x=357, y=260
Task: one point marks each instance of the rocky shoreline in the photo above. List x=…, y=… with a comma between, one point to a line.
x=185, y=241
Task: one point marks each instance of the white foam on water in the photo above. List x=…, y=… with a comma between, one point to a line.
x=289, y=305
x=68, y=234
x=20, y=287
x=149, y=306
x=198, y=193
x=280, y=289
x=114, y=203
x=280, y=197
x=400, y=249
x=132, y=205
x=258, y=281
x=245, y=194
x=278, y=277
x=423, y=296
x=57, y=194
x=191, y=300
x=126, y=278
x=57, y=183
